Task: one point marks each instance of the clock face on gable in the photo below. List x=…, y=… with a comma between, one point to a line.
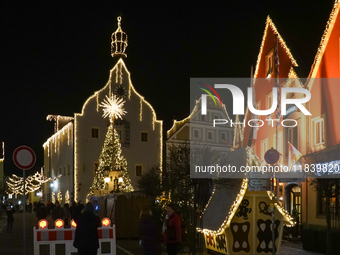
x=120, y=91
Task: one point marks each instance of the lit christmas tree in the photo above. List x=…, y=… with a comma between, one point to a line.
x=111, y=152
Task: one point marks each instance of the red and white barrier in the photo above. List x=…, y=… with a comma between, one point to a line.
x=60, y=240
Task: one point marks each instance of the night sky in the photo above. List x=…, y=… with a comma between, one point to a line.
x=55, y=55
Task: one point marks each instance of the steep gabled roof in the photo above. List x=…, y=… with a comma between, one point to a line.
x=324, y=39
x=270, y=24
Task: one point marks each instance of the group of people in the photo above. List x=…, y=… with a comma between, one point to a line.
x=86, y=235
x=170, y=233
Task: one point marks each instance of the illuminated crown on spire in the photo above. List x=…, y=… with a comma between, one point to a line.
x=119, y=41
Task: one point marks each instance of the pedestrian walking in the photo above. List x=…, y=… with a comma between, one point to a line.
x=86, y=236
x=10, y=218
x=149, y=233
x=57, y=212
x=172, y=233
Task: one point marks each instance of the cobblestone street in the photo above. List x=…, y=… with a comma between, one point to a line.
x=12, y=243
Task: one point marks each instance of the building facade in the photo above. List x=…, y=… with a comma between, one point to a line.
x=75, y=147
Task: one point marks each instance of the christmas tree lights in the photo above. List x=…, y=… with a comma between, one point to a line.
x=111, y=158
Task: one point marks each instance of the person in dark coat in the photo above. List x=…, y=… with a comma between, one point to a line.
x=86, y=237
x=149, y=234
x=57, y=212
x=172, y=230
x=10, y=218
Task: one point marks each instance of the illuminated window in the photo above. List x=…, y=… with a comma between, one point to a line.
x=319, y=132
x=144, y=136
x=269, y=100
x=269, y=63
x=94, y=132
x=334, y=199
x=279, y=146
x=139, y=170
x=264, y=147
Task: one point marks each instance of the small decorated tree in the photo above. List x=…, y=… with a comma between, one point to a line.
x=111, y=157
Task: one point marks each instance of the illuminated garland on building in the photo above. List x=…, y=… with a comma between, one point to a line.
x=324, y=40
x=32, y=183
x=117, y=70
x=270, y=23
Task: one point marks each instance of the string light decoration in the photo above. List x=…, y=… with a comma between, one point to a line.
x=59, y=196
x=131, y=91
x=15, y=183
x=270, y=23
x=67, y=197
x=111, y=157
x=287, y=217
x=177, y=124
x=119, y=41
x=232, y=211
x=53, y=197
x=3, y=152
x=323, y=43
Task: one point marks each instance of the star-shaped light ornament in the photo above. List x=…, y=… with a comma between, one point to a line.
x=113, y=107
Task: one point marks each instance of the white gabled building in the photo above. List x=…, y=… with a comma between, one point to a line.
x=75, y=147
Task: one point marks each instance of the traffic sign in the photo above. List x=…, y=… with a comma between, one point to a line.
x=24, y=157
x=272, y=156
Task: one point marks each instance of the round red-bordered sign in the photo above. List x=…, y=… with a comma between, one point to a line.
x=24, y=157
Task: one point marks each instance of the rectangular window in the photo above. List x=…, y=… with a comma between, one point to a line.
x=68, y=169
x=264, y=147
x=210, y=135
x=64, y=170
x=269, y=63
x=144, y=136
x=139, y=170
x=197, y=133
x=223, y=136
x=94, y=132
x=269, y=100
x=291, y=135
x=318, y=131
x=334, y=205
